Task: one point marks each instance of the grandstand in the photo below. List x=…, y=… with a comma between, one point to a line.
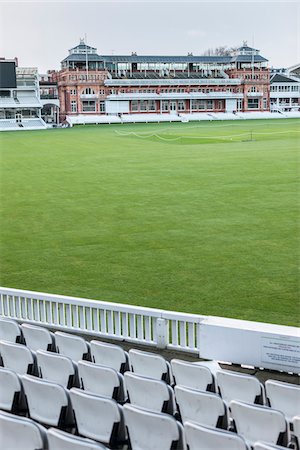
x=20, y=106
x=116, y=376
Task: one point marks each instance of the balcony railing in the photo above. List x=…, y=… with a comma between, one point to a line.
x=49, y=96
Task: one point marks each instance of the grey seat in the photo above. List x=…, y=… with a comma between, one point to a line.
x=148, y=430
x=60, y=440
x=109, y=355
x=193, y=376
x=57, y=368
x=202, y=407
x=98, y=418
x=38, y=338
x=200, y=437
x=101, y=380
x=18, y=358
x=296, y=429
x=48, y=403
x=241, y=387
x=150, y=365
x=259, y=423
x=10, y=330
x=155, y=395
x=20, y=433
x=285, y=397
x=75, y=347
x=11, y=391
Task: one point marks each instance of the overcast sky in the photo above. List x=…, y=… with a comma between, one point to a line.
x=40, y=33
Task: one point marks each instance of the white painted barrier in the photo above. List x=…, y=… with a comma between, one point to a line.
x=257, y=344
x=235, y=341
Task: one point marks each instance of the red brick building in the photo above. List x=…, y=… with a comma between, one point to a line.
x=94, y=84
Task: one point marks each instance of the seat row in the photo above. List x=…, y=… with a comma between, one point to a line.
x=104, y=420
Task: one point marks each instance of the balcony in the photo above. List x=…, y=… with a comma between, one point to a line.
x=49, y=96
x=255, y=94
x=89, y=96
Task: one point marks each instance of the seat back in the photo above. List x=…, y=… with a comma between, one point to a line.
x=207, y=438
x=259, y=423
x=57, y=368
x=98, y=418
x=10, y=390
x=149, y=365
x=148, y=430
x=192, y=376
x=9, y=330
x=48, y=402
x=149, y=393
x=20, y=433
x=202, y=407
x=109, y=355
x=296, y=429
x=75, y=347
x=284, y=396
x=101, y=380
x=237, y=386
x=17, y=357
x=60, y=440
x=38, y=338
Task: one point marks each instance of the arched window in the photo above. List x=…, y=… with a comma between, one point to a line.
x=88, y=91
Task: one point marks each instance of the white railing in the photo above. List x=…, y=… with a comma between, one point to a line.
x=148, y=326
x=236, y=341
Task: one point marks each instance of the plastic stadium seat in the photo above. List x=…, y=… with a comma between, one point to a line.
x=11, y=397
x=199, y=437
x=285, y=397
x=109, y=355
x=10, y=330
x=259, y=423
x=20, y=433
x=60, y=440
x=148, y=430
x=202, y=407
x=192, y=375
x=17, y=357
x=98, y=418
x=241, y=387
x=150, y=365
x=101, y=380
x=57, y=368
x=149, y=393
x=48, y=402
x=75, y=347
x=38, y=338
x=296, y=430
x=267, y=446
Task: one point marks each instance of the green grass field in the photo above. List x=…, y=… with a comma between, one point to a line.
x=193, y=217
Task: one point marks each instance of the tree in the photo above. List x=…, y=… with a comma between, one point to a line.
x=220, y=51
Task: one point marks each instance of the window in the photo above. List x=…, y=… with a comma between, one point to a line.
x=143, y=105
x=165, y=105
x=265, y=103
x=220, y=104
x=253, y=89
x=102, y=106
x=88, y=91
x=181, y=105
x=151, y=105
x=134, y=105
x=73, y=106
x=73, y=91
x=210, y=104
x=239, y=104
x=202, y=104
x=88, y=106
x=253, y=103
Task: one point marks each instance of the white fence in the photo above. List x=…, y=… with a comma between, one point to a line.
x=240, y=342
